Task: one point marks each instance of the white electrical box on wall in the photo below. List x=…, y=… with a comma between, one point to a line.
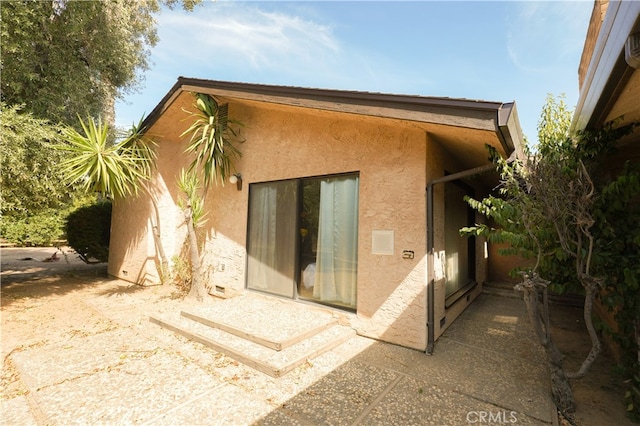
x=382, y=241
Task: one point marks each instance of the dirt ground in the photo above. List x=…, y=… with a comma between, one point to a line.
x=37, y=302
x=599, y=395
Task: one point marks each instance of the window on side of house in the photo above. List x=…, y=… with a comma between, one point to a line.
x=460, y=250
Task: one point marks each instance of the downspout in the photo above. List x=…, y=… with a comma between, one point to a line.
x=430, y=247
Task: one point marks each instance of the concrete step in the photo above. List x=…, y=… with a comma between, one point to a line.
x=507, y=290
x=276, y=344
x=501, y=289
x=244, y=348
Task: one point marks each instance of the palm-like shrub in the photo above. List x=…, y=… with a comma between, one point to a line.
x=99, y=164
x=113, y=169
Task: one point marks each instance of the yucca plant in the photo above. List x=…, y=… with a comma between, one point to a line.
x=193, y=209
x=212, y=139
x=212, y=142
x=190, y=186
x=113, y=169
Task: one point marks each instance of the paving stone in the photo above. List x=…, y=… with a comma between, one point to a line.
x=133, y=392
x=339, y=397
x=504, y=380
x=225, y=405
x=15, y=411
x=125, y=370
x=79, y=355
x=414, y=402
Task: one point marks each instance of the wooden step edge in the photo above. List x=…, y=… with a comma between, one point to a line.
x=257, y=364
x=279, y=372
x=308, y=334
x=238, y=356
x=271, y=344
x=276, y=346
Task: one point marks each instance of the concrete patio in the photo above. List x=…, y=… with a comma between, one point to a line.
x=107, y=363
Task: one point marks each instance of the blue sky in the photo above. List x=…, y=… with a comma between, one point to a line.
x=494, y=51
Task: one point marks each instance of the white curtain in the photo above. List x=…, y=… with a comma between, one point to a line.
x=272, y=237
x=262, y=236
x=337, y=250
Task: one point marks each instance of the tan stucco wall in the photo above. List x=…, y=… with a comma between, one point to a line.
x=392, y=160
x=290, y=144
x=133, y=255
x=500, y=266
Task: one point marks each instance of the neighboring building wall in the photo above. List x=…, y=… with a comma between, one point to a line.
x=597, y=17
x=627, y=110
x=500, y=266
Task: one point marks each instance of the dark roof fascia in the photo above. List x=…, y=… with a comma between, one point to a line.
x=509, y=130
x=608, y=72
x=339, y=96
x=334, y=100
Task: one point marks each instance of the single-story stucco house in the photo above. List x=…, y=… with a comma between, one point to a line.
x=349, y=200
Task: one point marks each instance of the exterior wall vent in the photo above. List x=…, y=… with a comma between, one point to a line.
x=382, y=242
x=632, y=50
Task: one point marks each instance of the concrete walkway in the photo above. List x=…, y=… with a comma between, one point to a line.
x=106, y=363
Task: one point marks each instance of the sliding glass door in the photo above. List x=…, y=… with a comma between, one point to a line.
x=303, y=238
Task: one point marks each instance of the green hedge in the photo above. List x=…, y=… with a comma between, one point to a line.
x=89, y=230
x=41, y=229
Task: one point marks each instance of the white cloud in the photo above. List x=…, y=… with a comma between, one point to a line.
x=243, y=35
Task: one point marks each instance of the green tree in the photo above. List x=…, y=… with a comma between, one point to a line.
x=30, y=180
x=33, y=197
x=553, y=206
x=63, y=59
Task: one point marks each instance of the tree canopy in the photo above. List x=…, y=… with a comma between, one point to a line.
x=33, y=197
x=30, y=179
x=63, y=59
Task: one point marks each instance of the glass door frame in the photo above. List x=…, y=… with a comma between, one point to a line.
x=297, y=275
x=471, y=246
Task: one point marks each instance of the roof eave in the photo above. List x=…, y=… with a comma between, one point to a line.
x=483, y=115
